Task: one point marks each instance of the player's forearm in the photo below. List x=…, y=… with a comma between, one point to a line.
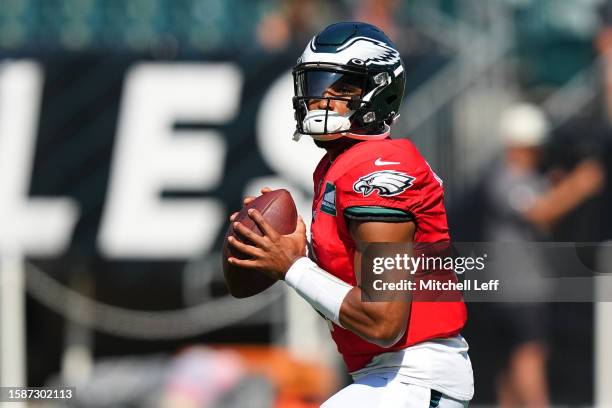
x=380, y=323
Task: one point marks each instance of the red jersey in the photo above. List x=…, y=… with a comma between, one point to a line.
x=383, y=173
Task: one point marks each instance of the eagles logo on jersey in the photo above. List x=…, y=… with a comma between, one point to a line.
x=388, y=183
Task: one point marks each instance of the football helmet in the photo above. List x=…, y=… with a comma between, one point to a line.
x=353, y=64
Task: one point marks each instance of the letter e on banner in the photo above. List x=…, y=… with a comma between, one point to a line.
x=149, y=156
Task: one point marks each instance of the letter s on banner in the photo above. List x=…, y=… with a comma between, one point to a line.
x=148, y=157
x=275, y=127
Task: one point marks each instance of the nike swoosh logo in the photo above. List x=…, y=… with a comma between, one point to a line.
x=379, y=162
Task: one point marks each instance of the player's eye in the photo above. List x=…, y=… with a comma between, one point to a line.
x=345, y=89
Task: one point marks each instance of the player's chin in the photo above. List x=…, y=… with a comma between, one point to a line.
x=341, y=142
x=322, y=144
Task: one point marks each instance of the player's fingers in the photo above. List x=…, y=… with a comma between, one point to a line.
x=257, y=239
x=243, y=263
x=244, y=248
x=300, y=234
x=233, y=216
x=301, y=226
x=247, y=200
x=263, y=225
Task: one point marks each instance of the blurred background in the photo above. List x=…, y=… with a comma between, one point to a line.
x=130, y=130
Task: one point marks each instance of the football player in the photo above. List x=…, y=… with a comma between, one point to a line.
x=349, y=84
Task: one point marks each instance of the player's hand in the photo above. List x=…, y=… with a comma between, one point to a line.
x=272, y=253
x=247, y=200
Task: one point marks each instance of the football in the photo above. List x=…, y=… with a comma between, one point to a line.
x=278, y=209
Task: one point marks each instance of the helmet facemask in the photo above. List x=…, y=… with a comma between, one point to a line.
x=318, y=86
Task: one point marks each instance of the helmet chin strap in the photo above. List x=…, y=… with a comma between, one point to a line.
x=385, y=133
x=321, y=120
x=333, y=136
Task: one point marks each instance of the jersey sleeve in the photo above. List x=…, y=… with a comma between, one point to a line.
x=390, y=193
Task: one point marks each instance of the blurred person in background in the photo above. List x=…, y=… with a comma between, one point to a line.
x=349, y=84
x=381, y=13
x=522, y=205
x=595, y=124
x=291, y=22
x=391, y=17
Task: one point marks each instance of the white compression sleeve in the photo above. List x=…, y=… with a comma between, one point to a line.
x=321, y=289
